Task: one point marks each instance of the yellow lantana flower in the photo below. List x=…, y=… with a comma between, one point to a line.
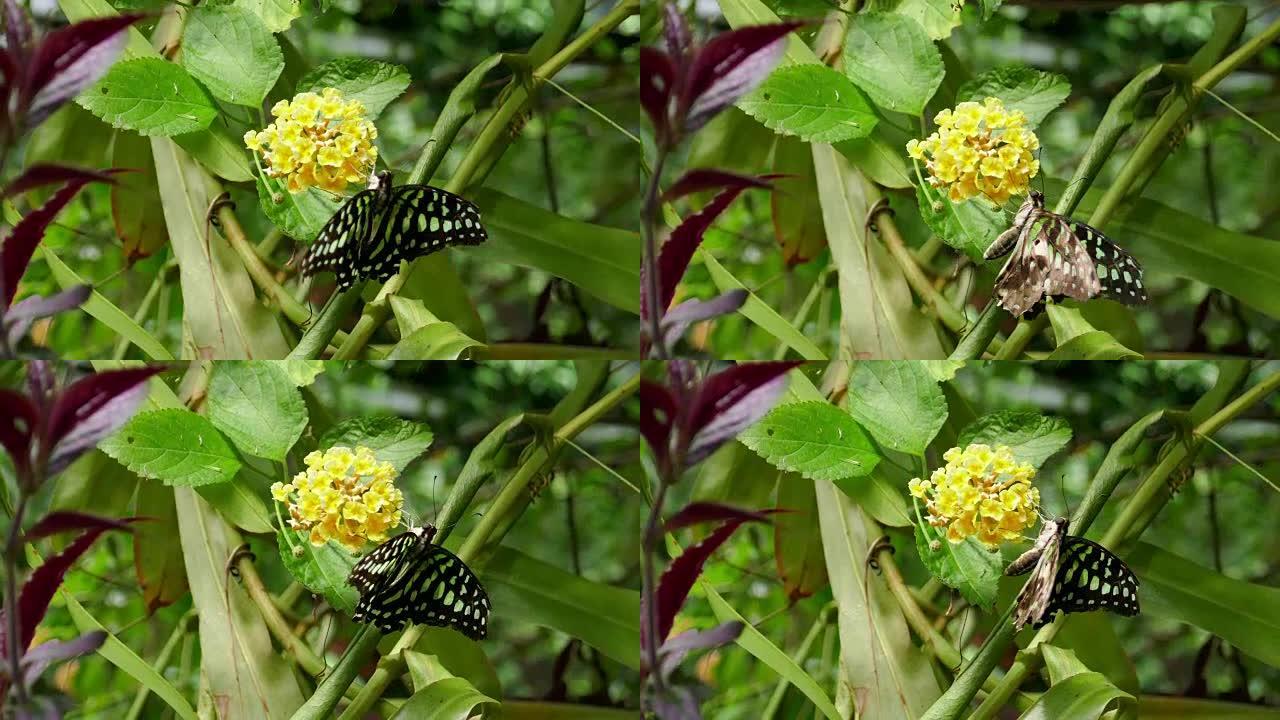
x=979, y=149
x=343, y=495
x=982, y=492
x=317, y=140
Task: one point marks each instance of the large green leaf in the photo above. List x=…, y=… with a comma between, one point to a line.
x=797, y=538
x=759, y=312
x=893, y=60
x=1243, y=614
x=277, y=15
x=239, y=503
x=813, y=102
x=1084, y=696
x=898, y=402
x=966, y=566
x=392, y=439
x=602, y=261
x=175, y=446
x=1035, y=92
x=119, y=654
x=299, y=215
x=815, y=439
x=373, y=82
x=322, y=570
x=966, y=226
x=448, y=699
x=797, y=216
x=237, y=660
x=150, y=96
x=876, y=649
x=257, y=407
x=135, y=201
x=232, y=52
x=156, y=557
x=604, y=617
x=754, y=642
x=1032, y=437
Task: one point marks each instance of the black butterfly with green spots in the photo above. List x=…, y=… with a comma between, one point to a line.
x=1070, y=574
x=1063, y=258
x=410, y=579
x=378, y=227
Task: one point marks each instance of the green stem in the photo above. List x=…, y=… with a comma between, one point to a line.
x=983, y=332
x=162, y=661
x=322, y=702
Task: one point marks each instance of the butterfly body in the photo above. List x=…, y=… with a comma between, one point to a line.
x=378, y=227
x=1070, y=574
x=1054, y=256
x=410, y=579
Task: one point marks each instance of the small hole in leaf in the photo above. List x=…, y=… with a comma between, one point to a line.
x=129, y=439
x=769, y=432
x=104, y=89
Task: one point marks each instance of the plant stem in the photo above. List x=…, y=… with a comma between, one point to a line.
x=322, y=702
x=162, y=661
x=649, y=546
x=276, y=623
x=649, y=230
x=11, y=550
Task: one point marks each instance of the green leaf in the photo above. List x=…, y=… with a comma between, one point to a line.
x=435, y=341
x=1243, y=614
x=603, y=261
x=177, y=447
x=218, y=152
x=150, y=96
x=893, y=60
x=899, y=403
x=257, y=406
x=1032, y=436
x=816, y=439
x=754, y=642
x=239, y=503
x=966, y=566
x=391, y=439
x=1083, y=345
x=604, y=617
x=373, y=82
x=1035, y=92
x=797, y=215
x=322, y=570
x=448, y=699
x=880, y=496
x=937, y=17
x=232, y=52
x=966, y=226
x=304, y=372
x=157, y=558
x=117, y=653
x=135, y=202
x=277, y=15
x=797, y=538
x=302, y=215
x=880, y=160
x=813, y=102
x=759, y=312
x=1080, y=697
x=1061, y=663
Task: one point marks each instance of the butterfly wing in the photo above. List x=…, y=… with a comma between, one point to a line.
x=374, y=568
x=419, y=220
x=1035, y=597
x=1069, y=271
x=337, y=248
x=1091, y=577
x=428, y=585
x=1119, y=275
x=1020, y=284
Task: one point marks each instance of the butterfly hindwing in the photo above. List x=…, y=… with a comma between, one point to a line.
x=1091, y=577
x=1034, y=599
x=1021, y=282
x=417, y=581
x=1070, y=272
x=340, y=238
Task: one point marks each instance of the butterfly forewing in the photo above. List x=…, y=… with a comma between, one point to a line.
x=1033, y=600
x=419, y=582
x=1070, y=272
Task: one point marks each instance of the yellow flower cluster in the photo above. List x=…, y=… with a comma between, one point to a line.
x=981, y=492
x=343, y=495
x=317, y=141
x=979, y=149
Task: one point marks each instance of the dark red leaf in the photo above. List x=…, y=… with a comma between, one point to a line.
x=18, y=418
x=700, y=179
x=657, y=412
x=680, y=317
x=65, y=520
x=674, y=650
x=700, y=512
x=731, y=65
x=677, y=251
x=46, y=653
x=92, y=408
x=17, y=30
x=657, y=76
x=679, y=577
x=17, y=249
x=676, y=30
x=43, y=174
x=730, y=401
x=33, y=600
x=18, y=319
x=71, y=59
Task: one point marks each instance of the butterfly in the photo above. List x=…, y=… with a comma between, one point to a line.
x=1064, y=258
x=378, y=227
x=411, y=579
x=1070, y=574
